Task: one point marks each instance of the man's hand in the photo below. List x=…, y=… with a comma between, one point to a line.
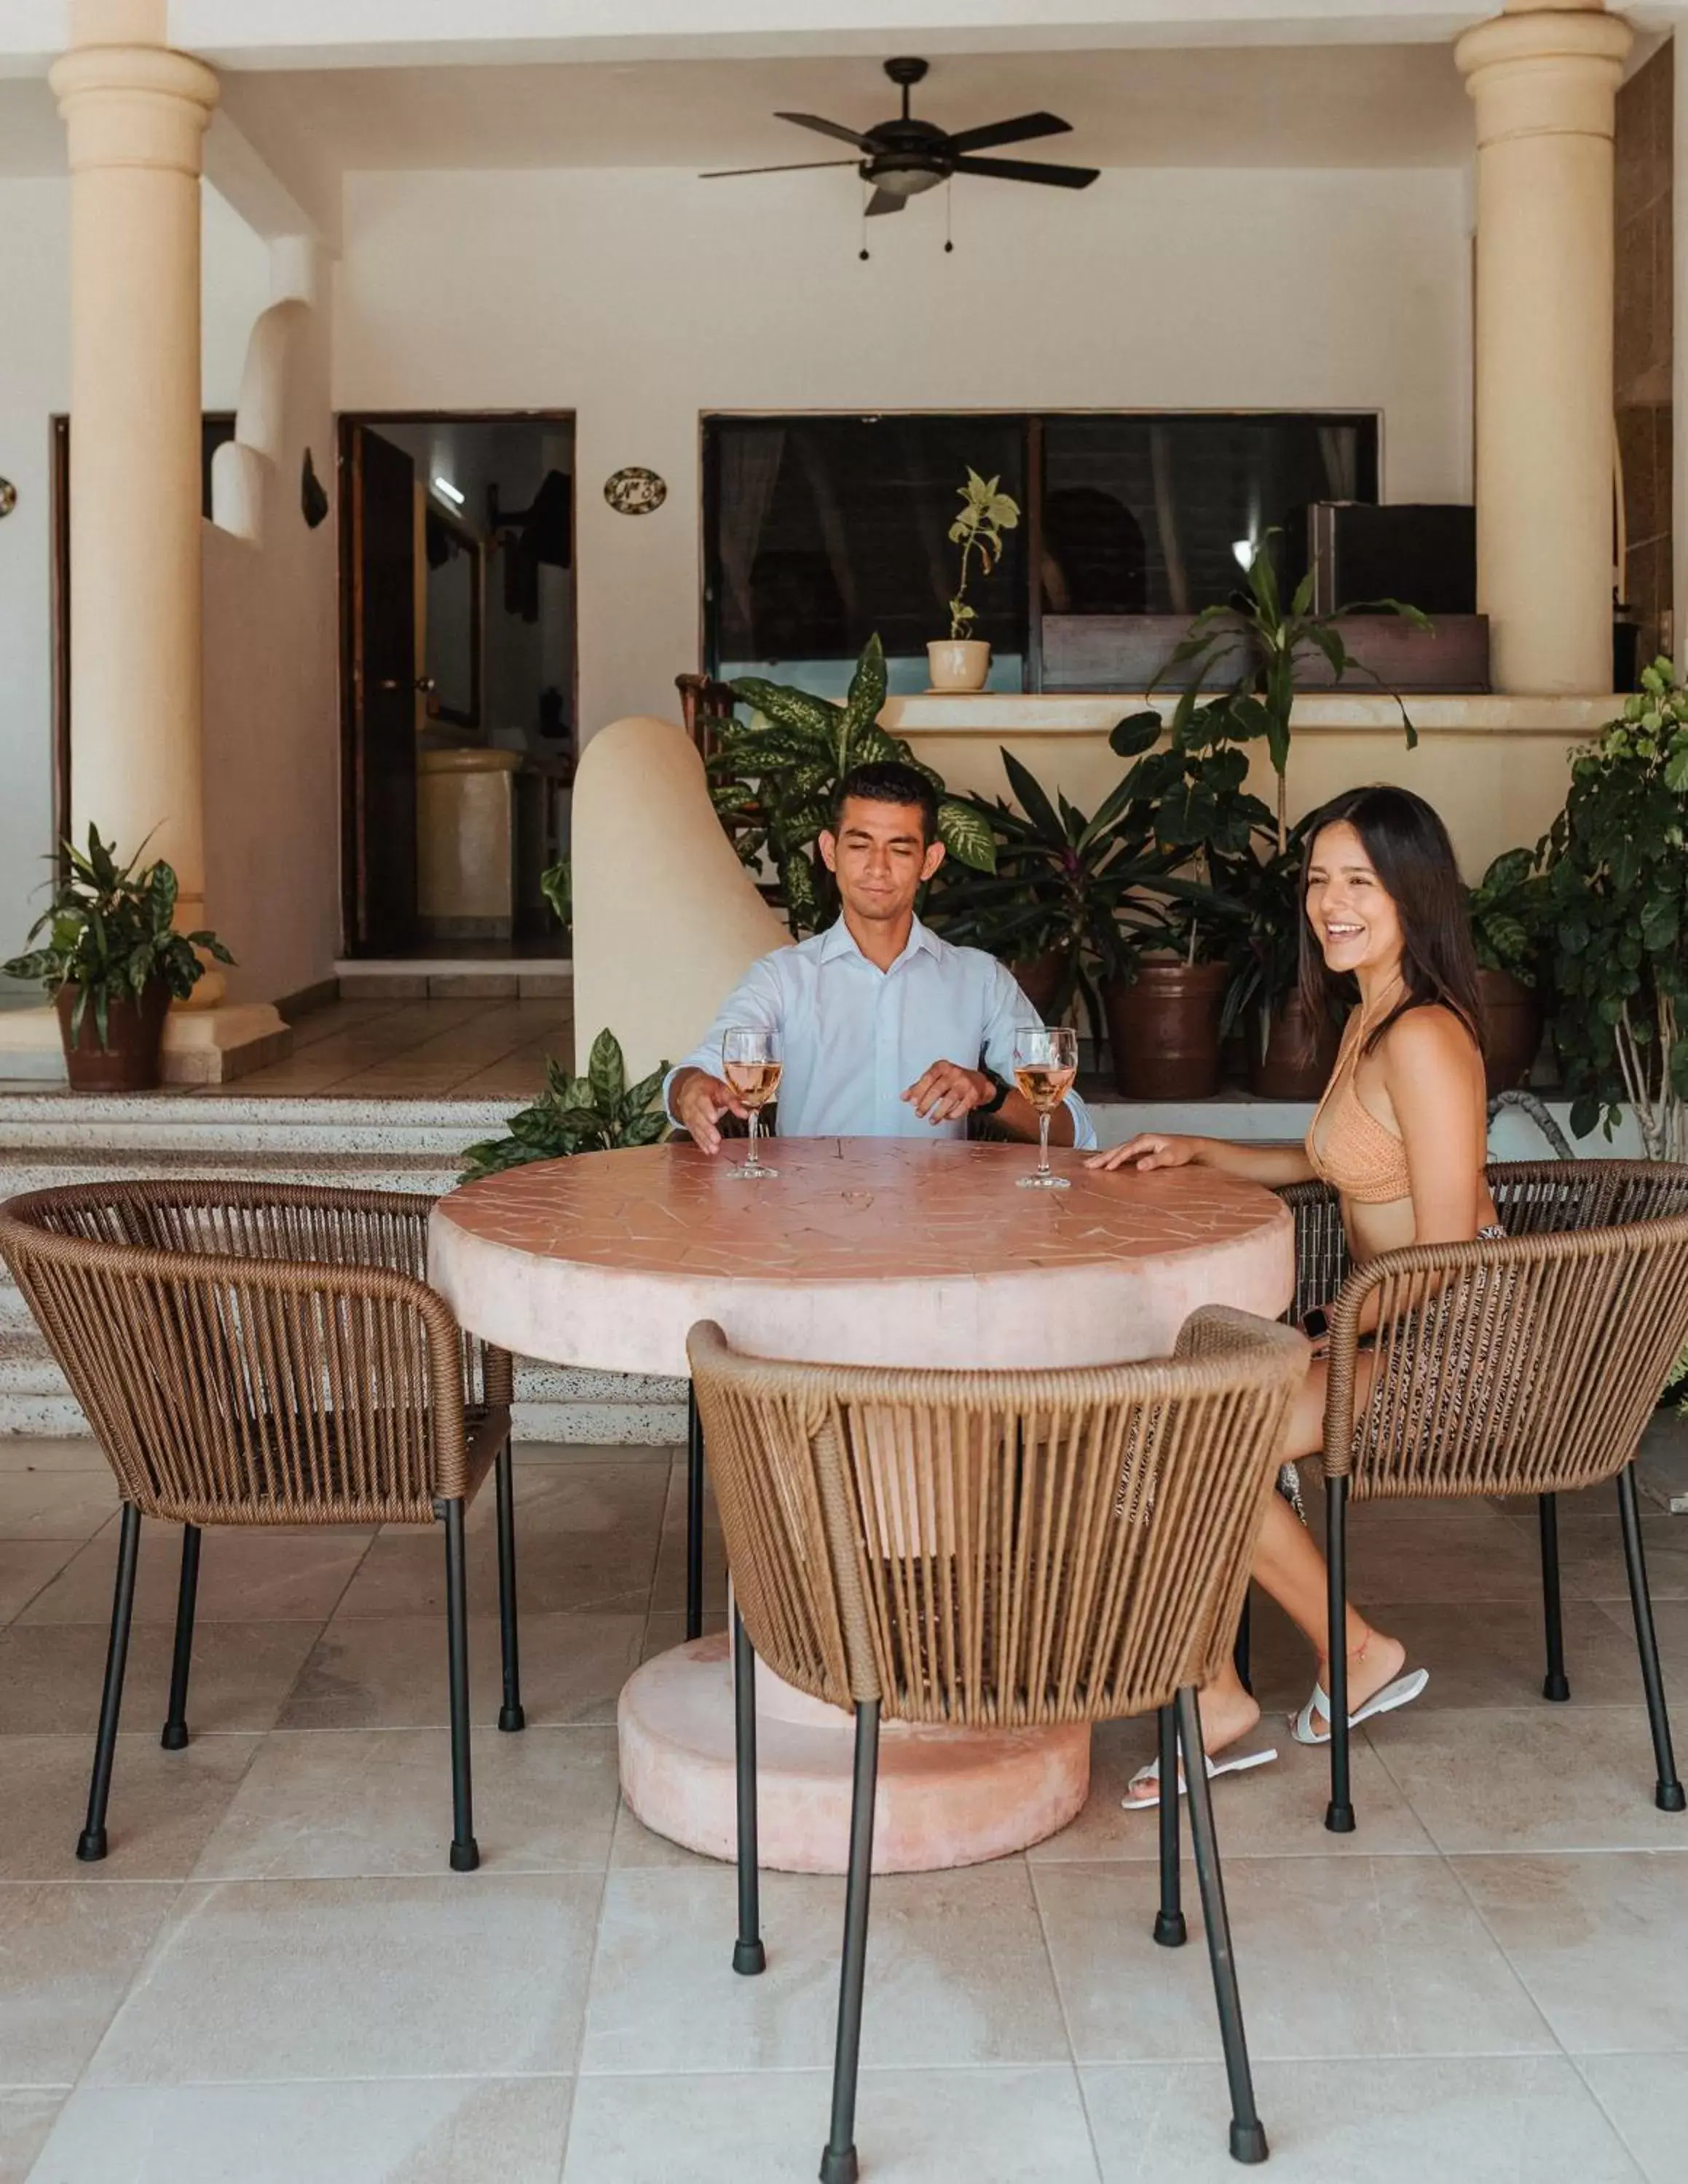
x=697, y=1103
x=947, y=1090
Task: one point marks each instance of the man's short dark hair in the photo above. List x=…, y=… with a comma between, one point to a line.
x=889, y=780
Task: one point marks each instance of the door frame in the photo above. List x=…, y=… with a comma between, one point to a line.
x=346, y=422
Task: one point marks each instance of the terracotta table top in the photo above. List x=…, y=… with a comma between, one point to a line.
x=864, y=1250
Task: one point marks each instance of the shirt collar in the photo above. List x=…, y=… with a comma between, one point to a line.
x=839, y=940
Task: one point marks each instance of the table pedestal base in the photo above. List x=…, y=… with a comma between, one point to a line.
x=947, y=1796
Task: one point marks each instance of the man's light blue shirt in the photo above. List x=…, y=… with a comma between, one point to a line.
x=854, y=1038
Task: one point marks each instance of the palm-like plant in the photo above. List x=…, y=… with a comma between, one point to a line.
x=588, y=1114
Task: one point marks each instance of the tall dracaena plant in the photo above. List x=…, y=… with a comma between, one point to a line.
x=1264, y=655
x=773, y=777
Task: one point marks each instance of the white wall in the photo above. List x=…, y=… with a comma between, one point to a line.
x=639, y=298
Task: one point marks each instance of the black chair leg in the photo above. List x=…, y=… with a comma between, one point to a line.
x=1668, y=1794
x=466, y=1855
x=1242, y=1651
x=838, y=2162
x=1340, y=1812
x=749, y=1957
x=175, y=1719
x=91, y=1845
x=1170, y=1930
x=693, y=1519
x=1554, y=1684
x=1248, y=2133
x=510, y=1714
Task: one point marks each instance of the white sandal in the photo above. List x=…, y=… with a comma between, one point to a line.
x=1401, y=1693
x=1149, y=1777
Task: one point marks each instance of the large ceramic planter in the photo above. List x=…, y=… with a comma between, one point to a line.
x=1295, y=1059
x=1513, y=1024
x=1163, y=1030
x=959, y=663
x=129, y=1063
x=1041, y=979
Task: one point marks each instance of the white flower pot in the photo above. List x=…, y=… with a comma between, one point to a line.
x=959, y=663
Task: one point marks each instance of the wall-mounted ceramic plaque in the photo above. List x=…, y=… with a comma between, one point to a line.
x=635, y=491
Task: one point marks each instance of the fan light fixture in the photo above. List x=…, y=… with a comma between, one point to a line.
x=447, y=491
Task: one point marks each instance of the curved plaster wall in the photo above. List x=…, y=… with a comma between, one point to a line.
x=667, y=921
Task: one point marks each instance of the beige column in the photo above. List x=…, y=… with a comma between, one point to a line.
x=1544, y=80
x=136, y=114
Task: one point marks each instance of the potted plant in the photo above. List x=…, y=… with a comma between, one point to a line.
x=586, y=1114
x=962, y=662
x=1508, y=916
x=772, y=778
x=1286, y=1057
x=113, y=962
x=1617, y=900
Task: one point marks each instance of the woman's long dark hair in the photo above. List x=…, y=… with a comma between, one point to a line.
x=1408, y=848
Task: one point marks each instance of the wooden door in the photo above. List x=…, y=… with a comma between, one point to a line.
x=382, y=785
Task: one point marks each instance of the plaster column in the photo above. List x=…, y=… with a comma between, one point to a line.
x=136, y=115
x=1544, y=80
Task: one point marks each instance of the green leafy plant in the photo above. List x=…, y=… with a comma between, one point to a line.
x=1266, y=965
x=588, y=1114
x=1275, y=642
x=1617, y=907
x=1509, y=915
x=109, y=935
x=986, y=512
x=556, y=885
x=773, y=775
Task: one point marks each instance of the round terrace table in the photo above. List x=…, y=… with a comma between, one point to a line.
x=866, y=1251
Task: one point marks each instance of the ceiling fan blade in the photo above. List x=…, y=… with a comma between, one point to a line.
x=796, y=167
x=1030, y=171
x=828, y=129
x=1023, y=125
x=885, y=201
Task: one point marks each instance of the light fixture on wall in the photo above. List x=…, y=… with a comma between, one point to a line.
x=1242, y=553
x=447, y=491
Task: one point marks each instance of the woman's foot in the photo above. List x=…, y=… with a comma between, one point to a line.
x=1226, y=1715
x=1372, y=1666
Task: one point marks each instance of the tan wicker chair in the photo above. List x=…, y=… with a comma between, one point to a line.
x=995, y=1550
x=1524, y=1365
x=268, y=1354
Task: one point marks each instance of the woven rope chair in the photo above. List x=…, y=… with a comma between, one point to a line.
x=994, y=1550
x=1524, y=1365
x=268, y=1354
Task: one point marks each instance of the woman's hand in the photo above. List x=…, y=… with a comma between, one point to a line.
x=1149, y=1151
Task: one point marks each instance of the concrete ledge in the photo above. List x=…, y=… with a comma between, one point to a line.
x=201, y=1046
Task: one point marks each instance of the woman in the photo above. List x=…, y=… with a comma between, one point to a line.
x=1401, y=1133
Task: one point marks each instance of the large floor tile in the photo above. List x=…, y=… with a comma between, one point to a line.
x=69, y=1954
x=26, y=2115
x=1545, y=1778
x=245, y=1576
x=1336, y=1957
x=1591, y=1551
x=440, y=2131
x=59, y=1452
x=997, y=2127
x=51, y=1675
x=1646, y=2098
x=26, y=1566
x=1597, y=1938
x=1492, y=1653
x=164, y=1805
x=1496, y=2119
x=1456, y=1557
x=347, y=1803
x=472, y=1974
x=957, y=1973
x=54, y=1504
x=1275, y=1811
x=388, y=1672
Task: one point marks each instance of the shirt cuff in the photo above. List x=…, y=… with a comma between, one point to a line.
x=1083, y=1129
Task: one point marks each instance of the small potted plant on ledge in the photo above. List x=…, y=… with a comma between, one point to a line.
x=1508, y=925
x=962, y=662
x=113, y=962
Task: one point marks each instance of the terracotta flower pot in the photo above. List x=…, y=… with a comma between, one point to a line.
x=959, y=663
x=129, y=1062
x=1297, y=1059
x=1041, y=979
x=1512, y=1021
x=1163, y=1030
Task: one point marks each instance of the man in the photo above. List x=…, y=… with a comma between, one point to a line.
x=886, y=1031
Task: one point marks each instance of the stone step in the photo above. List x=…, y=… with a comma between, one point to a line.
x=77, y=1125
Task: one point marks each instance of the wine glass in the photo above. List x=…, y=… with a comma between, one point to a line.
x=750, y=1058
x=1045, y=1064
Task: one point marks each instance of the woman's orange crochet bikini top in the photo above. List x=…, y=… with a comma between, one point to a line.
x=1359, y=1157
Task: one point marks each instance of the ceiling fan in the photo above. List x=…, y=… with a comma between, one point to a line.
x=903, y=156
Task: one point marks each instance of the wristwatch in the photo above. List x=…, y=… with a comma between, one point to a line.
x=1002, y=1090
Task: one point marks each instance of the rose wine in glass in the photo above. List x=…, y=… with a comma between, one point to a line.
x=749, y=1059
x=1045, y=1064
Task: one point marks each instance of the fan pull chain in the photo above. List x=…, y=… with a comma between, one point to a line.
x=948, y=212
x=864, y=251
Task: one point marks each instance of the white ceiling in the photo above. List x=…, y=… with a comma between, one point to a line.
x=1277, y=106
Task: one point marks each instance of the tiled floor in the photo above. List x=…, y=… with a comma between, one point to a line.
x=273, y=1979
x=475, y=1046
